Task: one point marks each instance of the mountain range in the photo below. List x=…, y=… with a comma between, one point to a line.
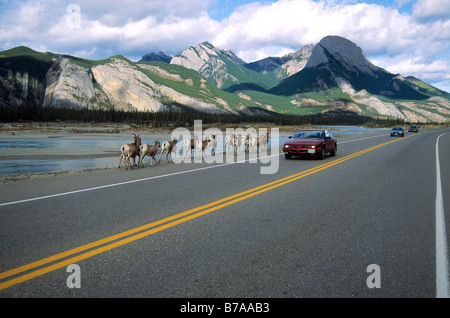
x=330, y=77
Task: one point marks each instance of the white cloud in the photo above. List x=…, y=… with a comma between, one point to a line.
x=254, y=31
x=123, y=27
x=426, y=9
x=295, y=23
x=435, y=72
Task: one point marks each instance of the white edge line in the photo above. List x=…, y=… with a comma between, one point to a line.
x=442, y=283
x=131, y=181
x=150, y=178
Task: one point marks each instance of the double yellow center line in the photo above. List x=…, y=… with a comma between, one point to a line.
x=135, y=234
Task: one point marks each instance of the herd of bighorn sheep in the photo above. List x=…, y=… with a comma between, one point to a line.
x=233, y=142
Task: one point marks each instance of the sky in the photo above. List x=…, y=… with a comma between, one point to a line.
x=408, y=37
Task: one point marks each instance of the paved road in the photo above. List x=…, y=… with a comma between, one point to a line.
x=361, y=224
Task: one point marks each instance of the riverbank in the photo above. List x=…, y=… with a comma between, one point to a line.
x=63, y=129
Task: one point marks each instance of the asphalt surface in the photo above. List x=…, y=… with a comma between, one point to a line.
x=315, y=235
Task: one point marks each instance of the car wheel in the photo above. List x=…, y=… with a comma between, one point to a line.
x=287, y=155
x=322, y=154
x=333, y=152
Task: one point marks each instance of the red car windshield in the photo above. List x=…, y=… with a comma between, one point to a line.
x=309, y=134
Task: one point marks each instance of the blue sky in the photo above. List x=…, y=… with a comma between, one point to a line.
x=222, y=9
x=410, y=37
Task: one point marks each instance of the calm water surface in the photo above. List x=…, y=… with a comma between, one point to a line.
x=27, y=166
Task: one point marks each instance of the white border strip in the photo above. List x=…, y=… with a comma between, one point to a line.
x=442, y=283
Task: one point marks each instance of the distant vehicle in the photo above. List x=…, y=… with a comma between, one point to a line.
x=310, y=142
x=397, y=131
x=413, y=129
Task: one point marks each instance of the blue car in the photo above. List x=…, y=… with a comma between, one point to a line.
x=397, y=131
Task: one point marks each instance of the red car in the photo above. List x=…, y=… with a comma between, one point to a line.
x=312, y=142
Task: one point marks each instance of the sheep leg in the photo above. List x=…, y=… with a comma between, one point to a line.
x=134, y=160
x=129, y=163
x=141, y=158
x=167, y=155
x=125, y=162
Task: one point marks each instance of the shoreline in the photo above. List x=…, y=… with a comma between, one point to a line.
x=12, y=129
x=66, y=129
x=62, y=129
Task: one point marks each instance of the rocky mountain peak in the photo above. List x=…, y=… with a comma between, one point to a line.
x=283, y=66
x=340, y=49
x=160, y=56
x=214, y=64
x=336, y=61
x=303, y=53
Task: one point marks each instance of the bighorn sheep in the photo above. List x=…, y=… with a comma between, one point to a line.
x=213, y=144
x=169, y=147
x=260, y=141
x=130, y=151
x=263, y=140
x=246, y=142
x=149, y=150
x=237, y=139
x=202, y=146
x=229, y=141
x=189, y=144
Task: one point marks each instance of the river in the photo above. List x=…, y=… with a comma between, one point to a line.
x=11, y=166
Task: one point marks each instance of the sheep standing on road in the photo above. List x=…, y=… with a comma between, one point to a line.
x=202, y=146
x=169, y=147
x=229, y=141
x=237, y=140
x=189, y=145
x=260, y=141
x=263, y=140
x=130, y=151
x=149, y=150
x=246, y=142
x=213, y=144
